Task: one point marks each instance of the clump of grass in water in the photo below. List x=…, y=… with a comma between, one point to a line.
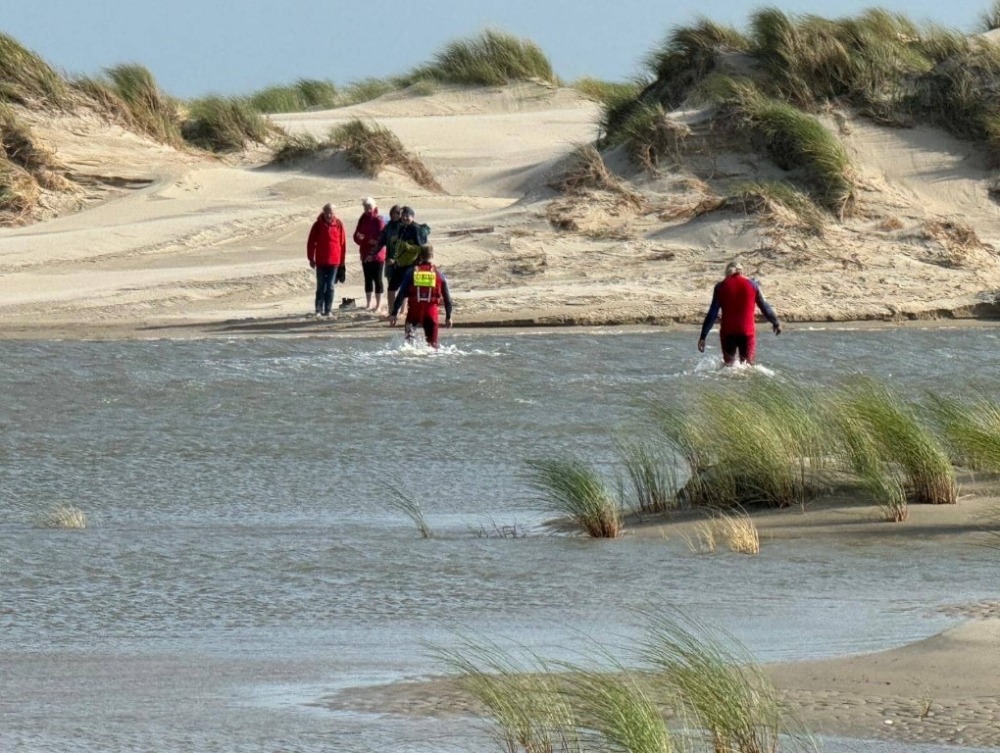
x=971, y=430
x=370, y=147
x=863, y=459
x=651, y=474
x=575, y=490
x=900, y=439
x=717, y=681
x=64, y=516
x=409, y=507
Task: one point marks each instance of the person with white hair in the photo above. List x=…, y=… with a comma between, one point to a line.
x=326, y=250
x=737, y=297
x=368, y=235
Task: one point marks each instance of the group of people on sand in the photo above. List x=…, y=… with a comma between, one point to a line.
x=397, y=250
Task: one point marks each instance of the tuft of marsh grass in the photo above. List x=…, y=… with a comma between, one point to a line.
x=899, y=438
x=781, y=203
x=717, y=681
x=225, y=124
x=701, y=539
x=523, y=698
x=370, y=147
x=26, y=79
x=64, y=516
x=739, y=532
x=494, y=58
x=409, y=507
x=651, y=473
x=618, y=711
x=971, y=430
x=575, y=490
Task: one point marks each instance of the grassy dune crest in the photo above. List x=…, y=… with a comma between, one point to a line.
x=494, y=58
x=371, y=147
x=26, y=79
x=222, y=124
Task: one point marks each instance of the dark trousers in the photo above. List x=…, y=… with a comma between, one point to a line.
x=324, y=288
x=373, y=276
x=745, y=345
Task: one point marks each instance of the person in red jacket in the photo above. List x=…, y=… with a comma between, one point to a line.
x=326, y=250
x=737, y=297
x=366, y=235
x=424, y=288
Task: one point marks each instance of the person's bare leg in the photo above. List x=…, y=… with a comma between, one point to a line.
x=378, y=302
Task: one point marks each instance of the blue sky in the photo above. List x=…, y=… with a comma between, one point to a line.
x=202, y=47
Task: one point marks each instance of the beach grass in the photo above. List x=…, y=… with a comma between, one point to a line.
x=401, y=502
x=225, y=124
x=716, y=680
x=651, y=473
x=739, y=532
x=150, y=111
x=781, y=203
x=291, y=148
x=900, y=439
x=651, y=136
x=26, y=79
x=64, y=516
x=970, y=428
x=586, y=170
x=19, y=193
x=604, y=92
x=989, y=19
x=304, y=94
x=370, y=147
x=522, y=697
x=573, y=489
x=493, y=58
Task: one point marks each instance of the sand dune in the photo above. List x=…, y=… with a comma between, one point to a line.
x=156, y=238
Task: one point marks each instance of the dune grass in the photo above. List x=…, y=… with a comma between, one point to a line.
x=586, y=170
x=651, y=136
x=147, y=109
x=717, y=681
x=304, y=94
x=523, y=698
x=900, y=439
x=225, y=124
x=26, y=167
x=989, y=19
x=64, y=516
x=607, y=91
x=371, y=147
x=493, y=58
x=781, y=204
x=573, y=489
x=971, y=430
x=739, y=532
x=26, y=79
x=651, y=472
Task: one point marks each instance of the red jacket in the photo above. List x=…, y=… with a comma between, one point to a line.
x=370, y=225
x=327, y=245
x=737, y=297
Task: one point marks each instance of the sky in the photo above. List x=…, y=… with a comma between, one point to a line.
x=199, y=47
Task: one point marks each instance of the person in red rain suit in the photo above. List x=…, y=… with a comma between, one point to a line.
x=424, y=288
x=326, y=251
x=737, y=297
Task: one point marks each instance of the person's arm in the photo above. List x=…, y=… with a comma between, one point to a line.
x=710, y=317
x=311, y=247
x=343, y=244
x=446, y=297
x=766, y=309
x=359, y=237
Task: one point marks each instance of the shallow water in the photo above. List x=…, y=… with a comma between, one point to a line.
x=241, y=562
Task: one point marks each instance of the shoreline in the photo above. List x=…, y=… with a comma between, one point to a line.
x=361, y=324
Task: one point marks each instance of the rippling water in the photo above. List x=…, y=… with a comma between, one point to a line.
x=241, y=561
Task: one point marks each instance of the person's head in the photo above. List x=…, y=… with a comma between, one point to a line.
x=426, y=253
x=328, y=214
x=369, y=204
x=395, y=212
x=734, y=267
x=407, y=214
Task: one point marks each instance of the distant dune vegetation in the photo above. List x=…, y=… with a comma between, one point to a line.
x=766, y=86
